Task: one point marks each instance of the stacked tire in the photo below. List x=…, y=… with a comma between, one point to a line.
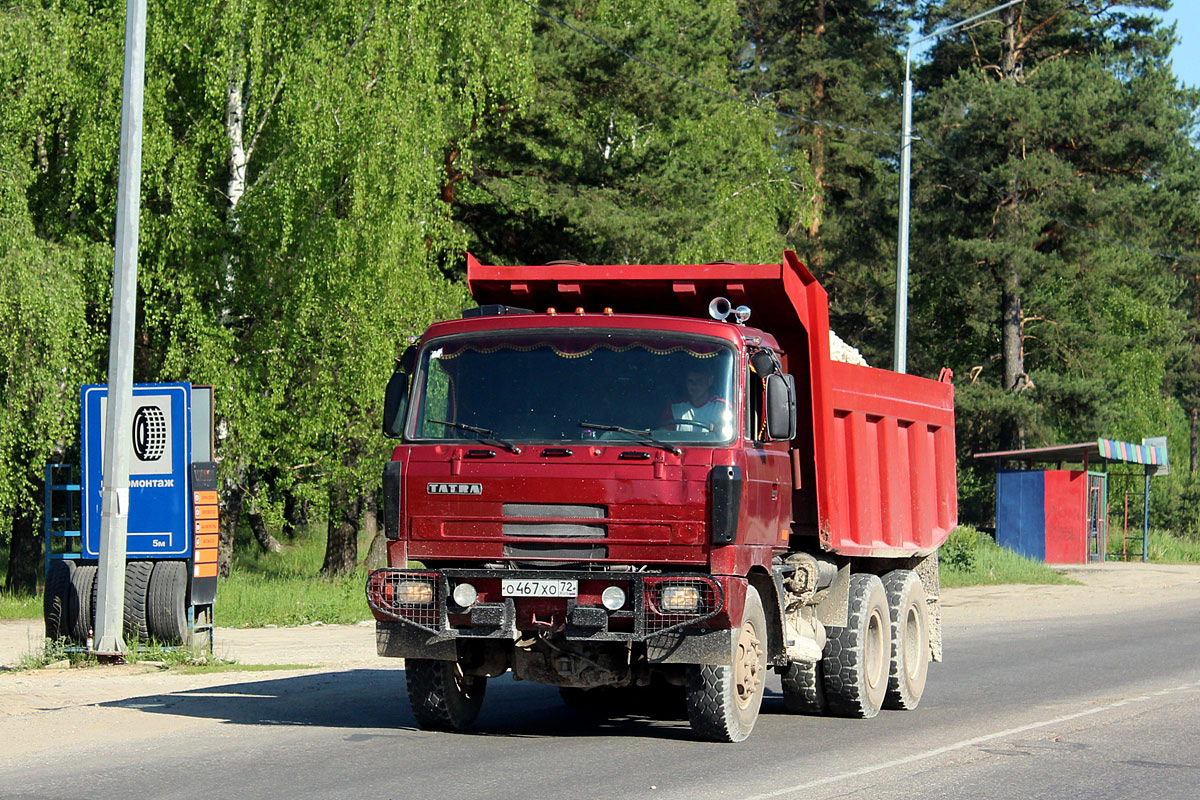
x=155, y=602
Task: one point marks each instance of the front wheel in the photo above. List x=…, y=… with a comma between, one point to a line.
x=442, y=697
x=723, y=701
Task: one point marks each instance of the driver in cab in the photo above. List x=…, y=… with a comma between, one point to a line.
x=701, y=407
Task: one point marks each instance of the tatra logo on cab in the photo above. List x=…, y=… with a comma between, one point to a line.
x=454, y=488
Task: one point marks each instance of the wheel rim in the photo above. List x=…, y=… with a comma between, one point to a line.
x=875, y=655
x=748, y=672
x=912, y=642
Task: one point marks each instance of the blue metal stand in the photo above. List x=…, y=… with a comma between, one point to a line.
x=59, y=486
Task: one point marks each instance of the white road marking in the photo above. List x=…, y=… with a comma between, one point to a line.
x=965, y=743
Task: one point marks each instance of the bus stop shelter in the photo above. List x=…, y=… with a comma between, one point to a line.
x=1060, y=515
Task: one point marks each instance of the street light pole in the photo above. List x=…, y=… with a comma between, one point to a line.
x=114, y=504
x=900, y=355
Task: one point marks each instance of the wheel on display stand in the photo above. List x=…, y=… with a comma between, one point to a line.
x=81, y=603
x=137, y=587
x=56, y=602
x=166, y=603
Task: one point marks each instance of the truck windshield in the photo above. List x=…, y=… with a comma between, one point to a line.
x=555, y=386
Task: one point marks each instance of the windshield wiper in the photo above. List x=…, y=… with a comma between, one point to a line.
x=485, y=436
x=646, y=436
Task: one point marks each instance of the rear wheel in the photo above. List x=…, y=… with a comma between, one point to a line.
x=910, y=639
x=856, y=658
x=803, y=688
x=56, y=603
x=166, y=602
x=442, y=697
x=723, y=701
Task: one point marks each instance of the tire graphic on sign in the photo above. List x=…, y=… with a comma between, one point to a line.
x=149, y=433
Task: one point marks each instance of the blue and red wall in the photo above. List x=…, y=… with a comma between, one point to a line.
x=1042, y=514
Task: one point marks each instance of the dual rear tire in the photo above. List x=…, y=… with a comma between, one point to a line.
x=880, y=659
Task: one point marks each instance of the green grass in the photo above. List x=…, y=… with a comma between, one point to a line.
x=17, y=606
x=970, y=558
x=284, y=588
x=1165, y=548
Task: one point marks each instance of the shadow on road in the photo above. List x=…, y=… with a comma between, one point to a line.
x=372, y=699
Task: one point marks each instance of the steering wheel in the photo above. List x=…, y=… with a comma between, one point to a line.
x=693, y=422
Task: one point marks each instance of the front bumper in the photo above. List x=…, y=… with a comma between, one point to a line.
x=581, y=618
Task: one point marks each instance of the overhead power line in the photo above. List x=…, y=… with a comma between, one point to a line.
x=963, y=168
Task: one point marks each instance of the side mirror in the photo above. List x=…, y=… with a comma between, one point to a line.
x=781, y=407
x=395, y=400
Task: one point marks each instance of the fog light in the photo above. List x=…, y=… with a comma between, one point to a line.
x=465, y=595
x=680, y=598
x=613, y=598
x=413, y=593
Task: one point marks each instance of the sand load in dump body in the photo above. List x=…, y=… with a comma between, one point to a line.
x=873, y=460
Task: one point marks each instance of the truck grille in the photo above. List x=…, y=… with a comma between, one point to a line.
x=556, y=530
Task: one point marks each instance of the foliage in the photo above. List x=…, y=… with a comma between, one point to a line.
x=279, y=588
x=958, y=552
x=838, y=63
x=970, y=558
x=615, y=162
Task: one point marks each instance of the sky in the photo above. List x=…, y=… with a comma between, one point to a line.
x=1185, y=58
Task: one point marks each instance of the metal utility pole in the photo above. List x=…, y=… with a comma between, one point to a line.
x=900, y=356
x=118, y=444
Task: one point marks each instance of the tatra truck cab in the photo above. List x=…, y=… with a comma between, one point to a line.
x=614, y=477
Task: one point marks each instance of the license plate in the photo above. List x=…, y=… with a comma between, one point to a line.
x=539, y=587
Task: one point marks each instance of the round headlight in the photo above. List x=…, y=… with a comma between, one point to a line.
x=465, y=595
x=613, y=598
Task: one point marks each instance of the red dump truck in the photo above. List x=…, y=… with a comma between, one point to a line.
x=618, y=477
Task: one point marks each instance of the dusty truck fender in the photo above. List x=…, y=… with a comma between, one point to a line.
x=398, y=640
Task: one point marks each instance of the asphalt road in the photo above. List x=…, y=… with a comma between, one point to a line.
x=1101, y=706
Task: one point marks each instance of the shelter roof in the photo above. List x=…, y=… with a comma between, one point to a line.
x=1086, y=452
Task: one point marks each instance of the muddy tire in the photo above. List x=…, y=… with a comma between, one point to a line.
x=166, y=602
x=910, y=639
x=56, y=602
x=857, y=657
x=803, y=689
x=81, y=603
x=723, y=702
x=137, y=586
x=442, y=698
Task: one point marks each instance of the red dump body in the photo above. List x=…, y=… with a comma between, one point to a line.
x=873, y=460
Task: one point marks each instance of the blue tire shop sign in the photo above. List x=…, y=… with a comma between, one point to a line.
x=159, y=491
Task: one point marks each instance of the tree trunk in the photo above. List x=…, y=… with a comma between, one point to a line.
x=1012, y=343
x=258, y=527
x=24, y=553
x=1012, y=351
x=817, y=156
x=377, y=554
x=295, y=514
x=231, y=517
x=1195, y=440
x=341, y=548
